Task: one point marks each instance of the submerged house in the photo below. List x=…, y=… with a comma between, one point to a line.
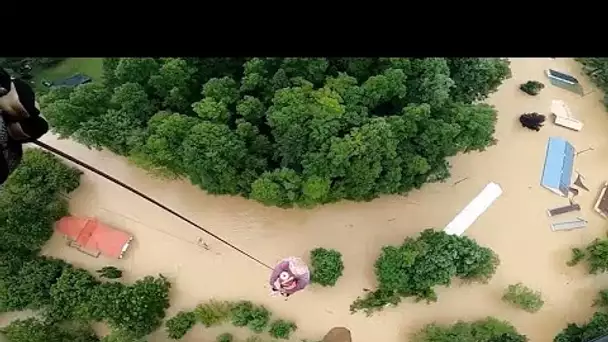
x=559, y=164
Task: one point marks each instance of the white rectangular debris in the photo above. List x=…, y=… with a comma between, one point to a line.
x=473, y=210
x=564, y=117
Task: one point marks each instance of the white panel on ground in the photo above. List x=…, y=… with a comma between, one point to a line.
x=473, y=210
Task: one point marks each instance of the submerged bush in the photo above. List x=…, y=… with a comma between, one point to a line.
x=419, y=264
x=326, y=266
x=109, y=272
x=489, y=329
x=180, y=324
x=578, y=255
x=596, y=327
x=282, y=329
x=225, y=337
x=213, y=312
x=531, y=87
x=259, y=318
x=523, y=297
x=245, y=313
x=596, y=256
x=533, y=121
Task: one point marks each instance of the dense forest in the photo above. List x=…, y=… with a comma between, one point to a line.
x=286, y=131
x=66, y=298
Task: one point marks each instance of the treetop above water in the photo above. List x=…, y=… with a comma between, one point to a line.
x=286, y=131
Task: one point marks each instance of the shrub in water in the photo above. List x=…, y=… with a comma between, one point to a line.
x=282, y=329
x=225, y=337
x=602, y=299
x=110, y=272
x=245, y=313
x=326, y=265
x=258, y=319
x=533, y=121
x=213, y=312
x=178, y=325
x=486, y=330
x=375, y=301
x=597, y=256
x=523, y=297
x=577, y=256
x=241, y=313
x=531, y=87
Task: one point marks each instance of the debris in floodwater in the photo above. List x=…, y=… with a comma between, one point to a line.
x=579, y=182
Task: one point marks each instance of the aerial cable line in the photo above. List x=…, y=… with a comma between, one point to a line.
x=147, y=198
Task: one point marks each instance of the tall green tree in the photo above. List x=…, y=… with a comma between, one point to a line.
x=165, y=135
x=476, y=78
x=70, y=295
x=138, y=308
x=30, y=288
x=213, y=157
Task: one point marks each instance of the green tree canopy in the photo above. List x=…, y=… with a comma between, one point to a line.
x=419, y=264
x=30, y=202
x=287, y=131
x=138, y=308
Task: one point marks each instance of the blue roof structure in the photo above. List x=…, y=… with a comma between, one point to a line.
x=73, y=81
x=559, y=163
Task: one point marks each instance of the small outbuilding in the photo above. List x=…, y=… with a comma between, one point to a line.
x=92, y=237
x=559, y=164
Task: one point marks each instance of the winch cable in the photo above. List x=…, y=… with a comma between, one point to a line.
x=147, y=198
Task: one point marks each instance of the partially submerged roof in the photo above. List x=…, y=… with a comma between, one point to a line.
x=601, y=206
x=92, y=235
x=73, y=81
x=565, y=81
x=562, y=76
x=559, y=163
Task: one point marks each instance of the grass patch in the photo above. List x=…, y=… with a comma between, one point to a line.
x=91, y=67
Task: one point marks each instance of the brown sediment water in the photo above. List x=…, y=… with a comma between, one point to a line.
x=516, y=226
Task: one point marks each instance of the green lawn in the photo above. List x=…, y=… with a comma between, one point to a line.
x=88, y=66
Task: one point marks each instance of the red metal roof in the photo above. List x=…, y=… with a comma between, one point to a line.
x=92, y=235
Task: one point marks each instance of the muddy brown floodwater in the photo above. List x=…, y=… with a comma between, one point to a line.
x=516, y=227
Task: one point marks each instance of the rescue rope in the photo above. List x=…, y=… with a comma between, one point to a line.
x=147, y=198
